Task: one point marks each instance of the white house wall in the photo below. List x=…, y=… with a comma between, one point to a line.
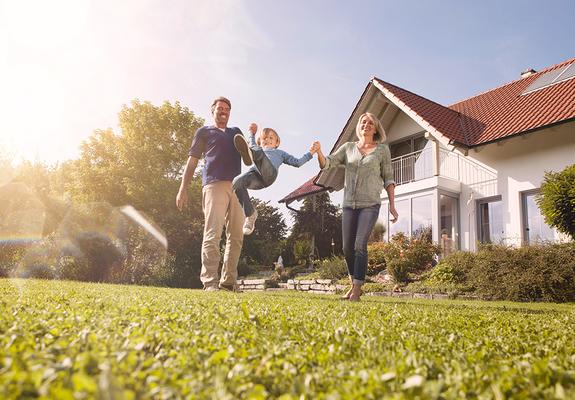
x=402, y=127
x=519, y=164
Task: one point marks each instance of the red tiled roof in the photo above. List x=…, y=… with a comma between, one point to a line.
x=304, y=190
x=497, y=113
x=443, y=119
x=504, y=112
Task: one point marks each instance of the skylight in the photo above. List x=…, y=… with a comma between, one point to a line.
x=551, y=78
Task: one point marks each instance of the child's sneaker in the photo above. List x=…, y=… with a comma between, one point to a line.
x=250, y=222
x=244, y=149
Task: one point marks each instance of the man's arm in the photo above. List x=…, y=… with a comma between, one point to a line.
x=182, y=197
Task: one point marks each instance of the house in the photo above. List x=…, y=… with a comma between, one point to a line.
x=470, y=171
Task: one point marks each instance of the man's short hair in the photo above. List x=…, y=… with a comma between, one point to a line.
x=229, y=103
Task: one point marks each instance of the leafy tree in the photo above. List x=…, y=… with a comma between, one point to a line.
x=264, y=245
x=141, y=167
x=321, y=219
x=6, y=168
x=24, y=215
x=557, y=200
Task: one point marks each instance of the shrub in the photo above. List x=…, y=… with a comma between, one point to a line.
x=244, y=269
x=10, y=256
x=421, y=252
x=399, y=268
x=450, y=275
x=531, y=273
x=454, y=268
x=557, y=200
x=332, y=268
x=407, y=256
x=288, y=273
x=376, y=257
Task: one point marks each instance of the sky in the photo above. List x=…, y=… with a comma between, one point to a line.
x=299, y=66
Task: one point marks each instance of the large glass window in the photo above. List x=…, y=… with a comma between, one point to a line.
x=415, y=216
x=535, y=228
x=490, y=220
x=402, y=224
x=421, y=210
x=407, y=146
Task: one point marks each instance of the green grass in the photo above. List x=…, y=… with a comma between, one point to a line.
x=76, y=340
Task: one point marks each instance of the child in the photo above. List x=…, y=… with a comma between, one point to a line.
x=267, y=158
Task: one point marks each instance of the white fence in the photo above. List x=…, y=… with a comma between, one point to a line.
x=419, y=165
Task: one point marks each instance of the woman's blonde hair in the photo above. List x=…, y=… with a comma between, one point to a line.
x=265, y=131
x=379, y=135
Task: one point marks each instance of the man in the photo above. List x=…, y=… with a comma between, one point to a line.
x=219, y=203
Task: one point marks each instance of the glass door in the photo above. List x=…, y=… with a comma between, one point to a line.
x=448, y=223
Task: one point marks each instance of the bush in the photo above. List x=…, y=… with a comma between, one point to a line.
x=288, y=273
x=453, y=269
x=399, y=269
x=409, y=256
x=557, y=200
x=376, y=257
x=450, y=275
x=245, y=269
x=10, y=256
x=531, y=273
x=332, y=268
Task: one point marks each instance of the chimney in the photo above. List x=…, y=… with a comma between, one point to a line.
x=527, y=72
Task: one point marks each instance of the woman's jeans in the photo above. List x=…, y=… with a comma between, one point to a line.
x=262, y=175
x=357, y=224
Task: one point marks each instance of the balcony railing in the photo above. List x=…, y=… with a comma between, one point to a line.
x=413, y=166
x=419, y=165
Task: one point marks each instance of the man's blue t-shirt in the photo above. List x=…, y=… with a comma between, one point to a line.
x=222, y=160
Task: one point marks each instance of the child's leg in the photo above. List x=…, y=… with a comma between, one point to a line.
x=248, y=180
x=266, y=169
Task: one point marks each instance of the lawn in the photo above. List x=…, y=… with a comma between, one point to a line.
x=76, y=340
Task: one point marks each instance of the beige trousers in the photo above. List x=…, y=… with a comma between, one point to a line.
x=221, y=208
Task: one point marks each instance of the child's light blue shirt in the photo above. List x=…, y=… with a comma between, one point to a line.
x=278, y=157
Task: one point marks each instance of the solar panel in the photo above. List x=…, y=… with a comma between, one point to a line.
x=544, y=80
x=569, y=72
x=551, y=77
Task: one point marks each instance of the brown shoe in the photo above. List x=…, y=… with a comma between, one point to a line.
x=229, y=288
x=243, y=148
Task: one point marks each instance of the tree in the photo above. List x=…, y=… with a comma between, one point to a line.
x=23, y=213
x=141, y=167
x=557, y=200
x=321, y=220
x=264, y=245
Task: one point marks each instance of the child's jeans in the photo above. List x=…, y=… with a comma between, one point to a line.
x=357, y=224
x=262, y=176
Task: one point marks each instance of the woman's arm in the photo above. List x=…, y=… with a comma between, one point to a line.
x=320, y=158
x=390, y=189
x=333, y=160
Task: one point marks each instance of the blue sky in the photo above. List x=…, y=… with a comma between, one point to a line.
x=297, y=66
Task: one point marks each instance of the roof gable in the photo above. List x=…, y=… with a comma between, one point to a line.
x=434, y=117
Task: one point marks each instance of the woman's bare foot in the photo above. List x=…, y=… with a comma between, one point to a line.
x=347, y=294
x=355, y=293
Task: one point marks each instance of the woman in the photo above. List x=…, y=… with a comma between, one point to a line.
x=367, y=164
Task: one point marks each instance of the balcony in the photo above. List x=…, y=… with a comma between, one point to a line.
x=421, y=164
